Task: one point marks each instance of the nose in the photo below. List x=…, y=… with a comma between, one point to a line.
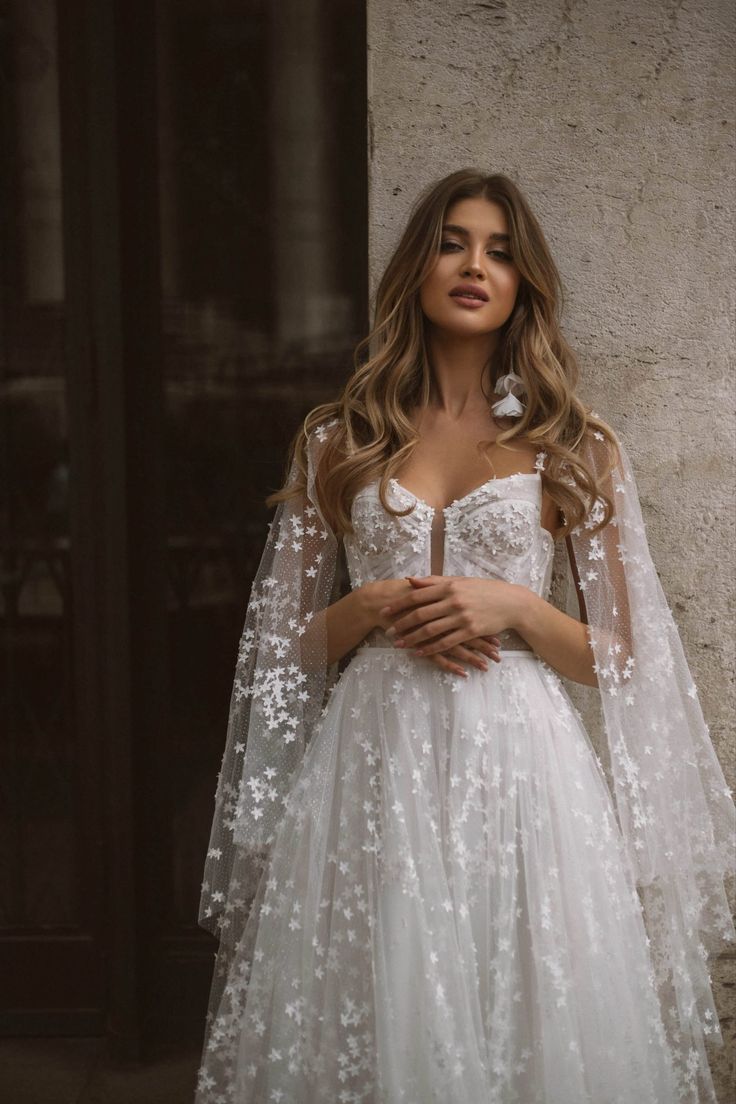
x=473, y=266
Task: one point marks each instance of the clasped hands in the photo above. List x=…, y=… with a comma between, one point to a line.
x=449, y=617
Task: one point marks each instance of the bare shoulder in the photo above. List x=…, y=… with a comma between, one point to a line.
x=522, y=446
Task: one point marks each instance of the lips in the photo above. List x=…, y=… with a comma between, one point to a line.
x=470, y=291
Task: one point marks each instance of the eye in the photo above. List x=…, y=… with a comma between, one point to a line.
x=447, y=245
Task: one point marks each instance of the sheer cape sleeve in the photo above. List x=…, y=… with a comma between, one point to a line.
x=281, y=680
x=674, y=809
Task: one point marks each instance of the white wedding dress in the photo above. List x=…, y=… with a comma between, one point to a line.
x=448, y=913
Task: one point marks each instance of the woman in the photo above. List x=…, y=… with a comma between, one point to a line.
x=425, y=883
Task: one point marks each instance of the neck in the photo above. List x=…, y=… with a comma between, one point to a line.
x=460, y=371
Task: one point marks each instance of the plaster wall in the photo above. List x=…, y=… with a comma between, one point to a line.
x=617, y=120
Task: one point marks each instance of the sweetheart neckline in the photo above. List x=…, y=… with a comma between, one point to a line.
x=465, y=497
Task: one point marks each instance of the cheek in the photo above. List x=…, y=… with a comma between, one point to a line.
x=508, y=286
x=432, y=287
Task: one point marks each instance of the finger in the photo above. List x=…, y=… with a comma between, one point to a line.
x=411, y=600
x=491, y=650
x=470, y=656
x=447, y=665
x=432, y=611
x=426, y=580
x=492, y=653
x=467, y=648
x=441, y=644
x=478, y=640
x=424, y=633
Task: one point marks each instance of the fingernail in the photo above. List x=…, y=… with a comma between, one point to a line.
x=386, y=609
x=391, y=631
x=399, y=643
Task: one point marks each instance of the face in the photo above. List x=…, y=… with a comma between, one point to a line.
x=478, y=254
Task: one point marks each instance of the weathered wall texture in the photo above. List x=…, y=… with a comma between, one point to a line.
x=617, y=120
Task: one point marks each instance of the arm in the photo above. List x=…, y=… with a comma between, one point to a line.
x=558, y=639
x=448, y=610
x=566, y=644
x=349, y=620
x=451, y=610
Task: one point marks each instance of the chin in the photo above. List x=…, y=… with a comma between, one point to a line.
x=467, y=325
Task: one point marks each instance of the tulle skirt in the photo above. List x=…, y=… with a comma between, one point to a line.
x=448, y=914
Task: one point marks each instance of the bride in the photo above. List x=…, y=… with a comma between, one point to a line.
x=425, y=883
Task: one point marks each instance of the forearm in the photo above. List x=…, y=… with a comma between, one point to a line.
x=560, y=640
x=349, y=620
x=339, y=627
x=334, y=631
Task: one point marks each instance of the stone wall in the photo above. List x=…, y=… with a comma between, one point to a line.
x=617, y=120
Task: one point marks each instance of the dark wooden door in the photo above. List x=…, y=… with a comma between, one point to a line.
x=184, y=266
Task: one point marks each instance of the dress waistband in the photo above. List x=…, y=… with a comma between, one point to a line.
x=364, y=649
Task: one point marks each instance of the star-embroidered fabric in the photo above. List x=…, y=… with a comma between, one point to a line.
x=674, y=808
x=432, y=889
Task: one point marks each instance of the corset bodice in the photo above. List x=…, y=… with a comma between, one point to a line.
x=494, y=532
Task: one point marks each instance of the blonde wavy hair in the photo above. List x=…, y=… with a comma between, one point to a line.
x=373, y=435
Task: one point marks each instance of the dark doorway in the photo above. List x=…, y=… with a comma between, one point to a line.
x=184, y=273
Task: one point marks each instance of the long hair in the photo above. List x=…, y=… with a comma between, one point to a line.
x=373, y=436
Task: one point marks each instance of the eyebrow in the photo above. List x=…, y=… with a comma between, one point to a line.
x=461, y=230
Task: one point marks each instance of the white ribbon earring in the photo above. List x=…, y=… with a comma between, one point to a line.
x=510, y=385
